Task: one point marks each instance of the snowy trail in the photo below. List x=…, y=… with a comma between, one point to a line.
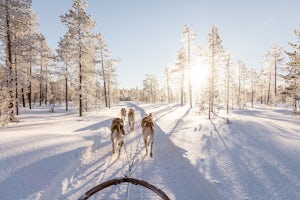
x=61, y=156
x=257, y=156
x=167, y=170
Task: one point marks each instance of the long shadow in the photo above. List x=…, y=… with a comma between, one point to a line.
x=43, y=175
x=179, y=122
x=253, y=166
x=178, y=176
x=261, y=113
x=96, y=126
x=137, y=108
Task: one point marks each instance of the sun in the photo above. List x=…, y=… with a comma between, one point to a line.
x=199, y=74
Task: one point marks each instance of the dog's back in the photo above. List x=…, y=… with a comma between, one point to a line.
x=117, y=133
x=131, y=115
x=146, y=119
x=123, y=113
x=148, y=132
x=117, y=125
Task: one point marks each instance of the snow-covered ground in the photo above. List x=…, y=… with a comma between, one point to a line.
x=61, y=156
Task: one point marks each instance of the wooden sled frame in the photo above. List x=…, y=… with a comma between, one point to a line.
x=117, y=181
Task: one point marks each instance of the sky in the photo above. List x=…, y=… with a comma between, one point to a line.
x=146, y=35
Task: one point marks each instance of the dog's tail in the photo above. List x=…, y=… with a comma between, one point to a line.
x=152, y=127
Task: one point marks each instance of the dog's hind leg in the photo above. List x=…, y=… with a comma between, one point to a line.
x=120, y=147
x=151, y=141
x=113, y=146
x=146, y=146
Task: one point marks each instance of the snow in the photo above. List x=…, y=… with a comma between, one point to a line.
x=61, y=156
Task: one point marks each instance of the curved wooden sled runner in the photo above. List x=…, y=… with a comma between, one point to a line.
x=117, y=181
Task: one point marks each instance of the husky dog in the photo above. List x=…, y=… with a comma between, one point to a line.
x=148, y=132
x=123, y=114
x=146, y=118
x=131, y=119
x=117, y=134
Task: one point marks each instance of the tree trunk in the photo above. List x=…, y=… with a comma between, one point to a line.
x=189, y=71
x=10, y=68
x=275, y=82
x=16, y=89
x=269, y=90
x=182, y=86
x=66, y=96
x=23, y=97
x=227, y=95
x=80, y=90
x=108, y=87
x=46, y=86
x=104, y=80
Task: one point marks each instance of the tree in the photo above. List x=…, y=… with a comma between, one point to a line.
x=45, y=57
x=150, y=88
x=181, y=70
x=293, y=72
x=65, y=55
x=214, y=54
x=14, y=18
x=275, y=57
x=189, y=37
x=111, y=77
x=262, y=76
x=80, y=26
x=168, y=88
x=102, y=55
x=228, y=78
x=253, y=81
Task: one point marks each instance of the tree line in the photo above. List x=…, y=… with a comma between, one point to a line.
x=81, y=69
x=231, y=84
x=226, y=84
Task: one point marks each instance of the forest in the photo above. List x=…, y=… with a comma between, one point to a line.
x=82, y=70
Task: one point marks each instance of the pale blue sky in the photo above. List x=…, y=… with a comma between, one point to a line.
x=146, y=34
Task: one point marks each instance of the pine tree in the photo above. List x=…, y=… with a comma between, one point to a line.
x=168, y=87
x=180, y=68
x=45, y=59
x=214, y=55
x=275, y=57
x=102, y=55
x=189, y=37
x=14, y=17
x=228, y=77
x=150, y=89
x=111, y=77
x=293, y=72
x=65, y=55
x=80, y=26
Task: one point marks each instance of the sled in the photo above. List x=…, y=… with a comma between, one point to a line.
x=117, y=181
